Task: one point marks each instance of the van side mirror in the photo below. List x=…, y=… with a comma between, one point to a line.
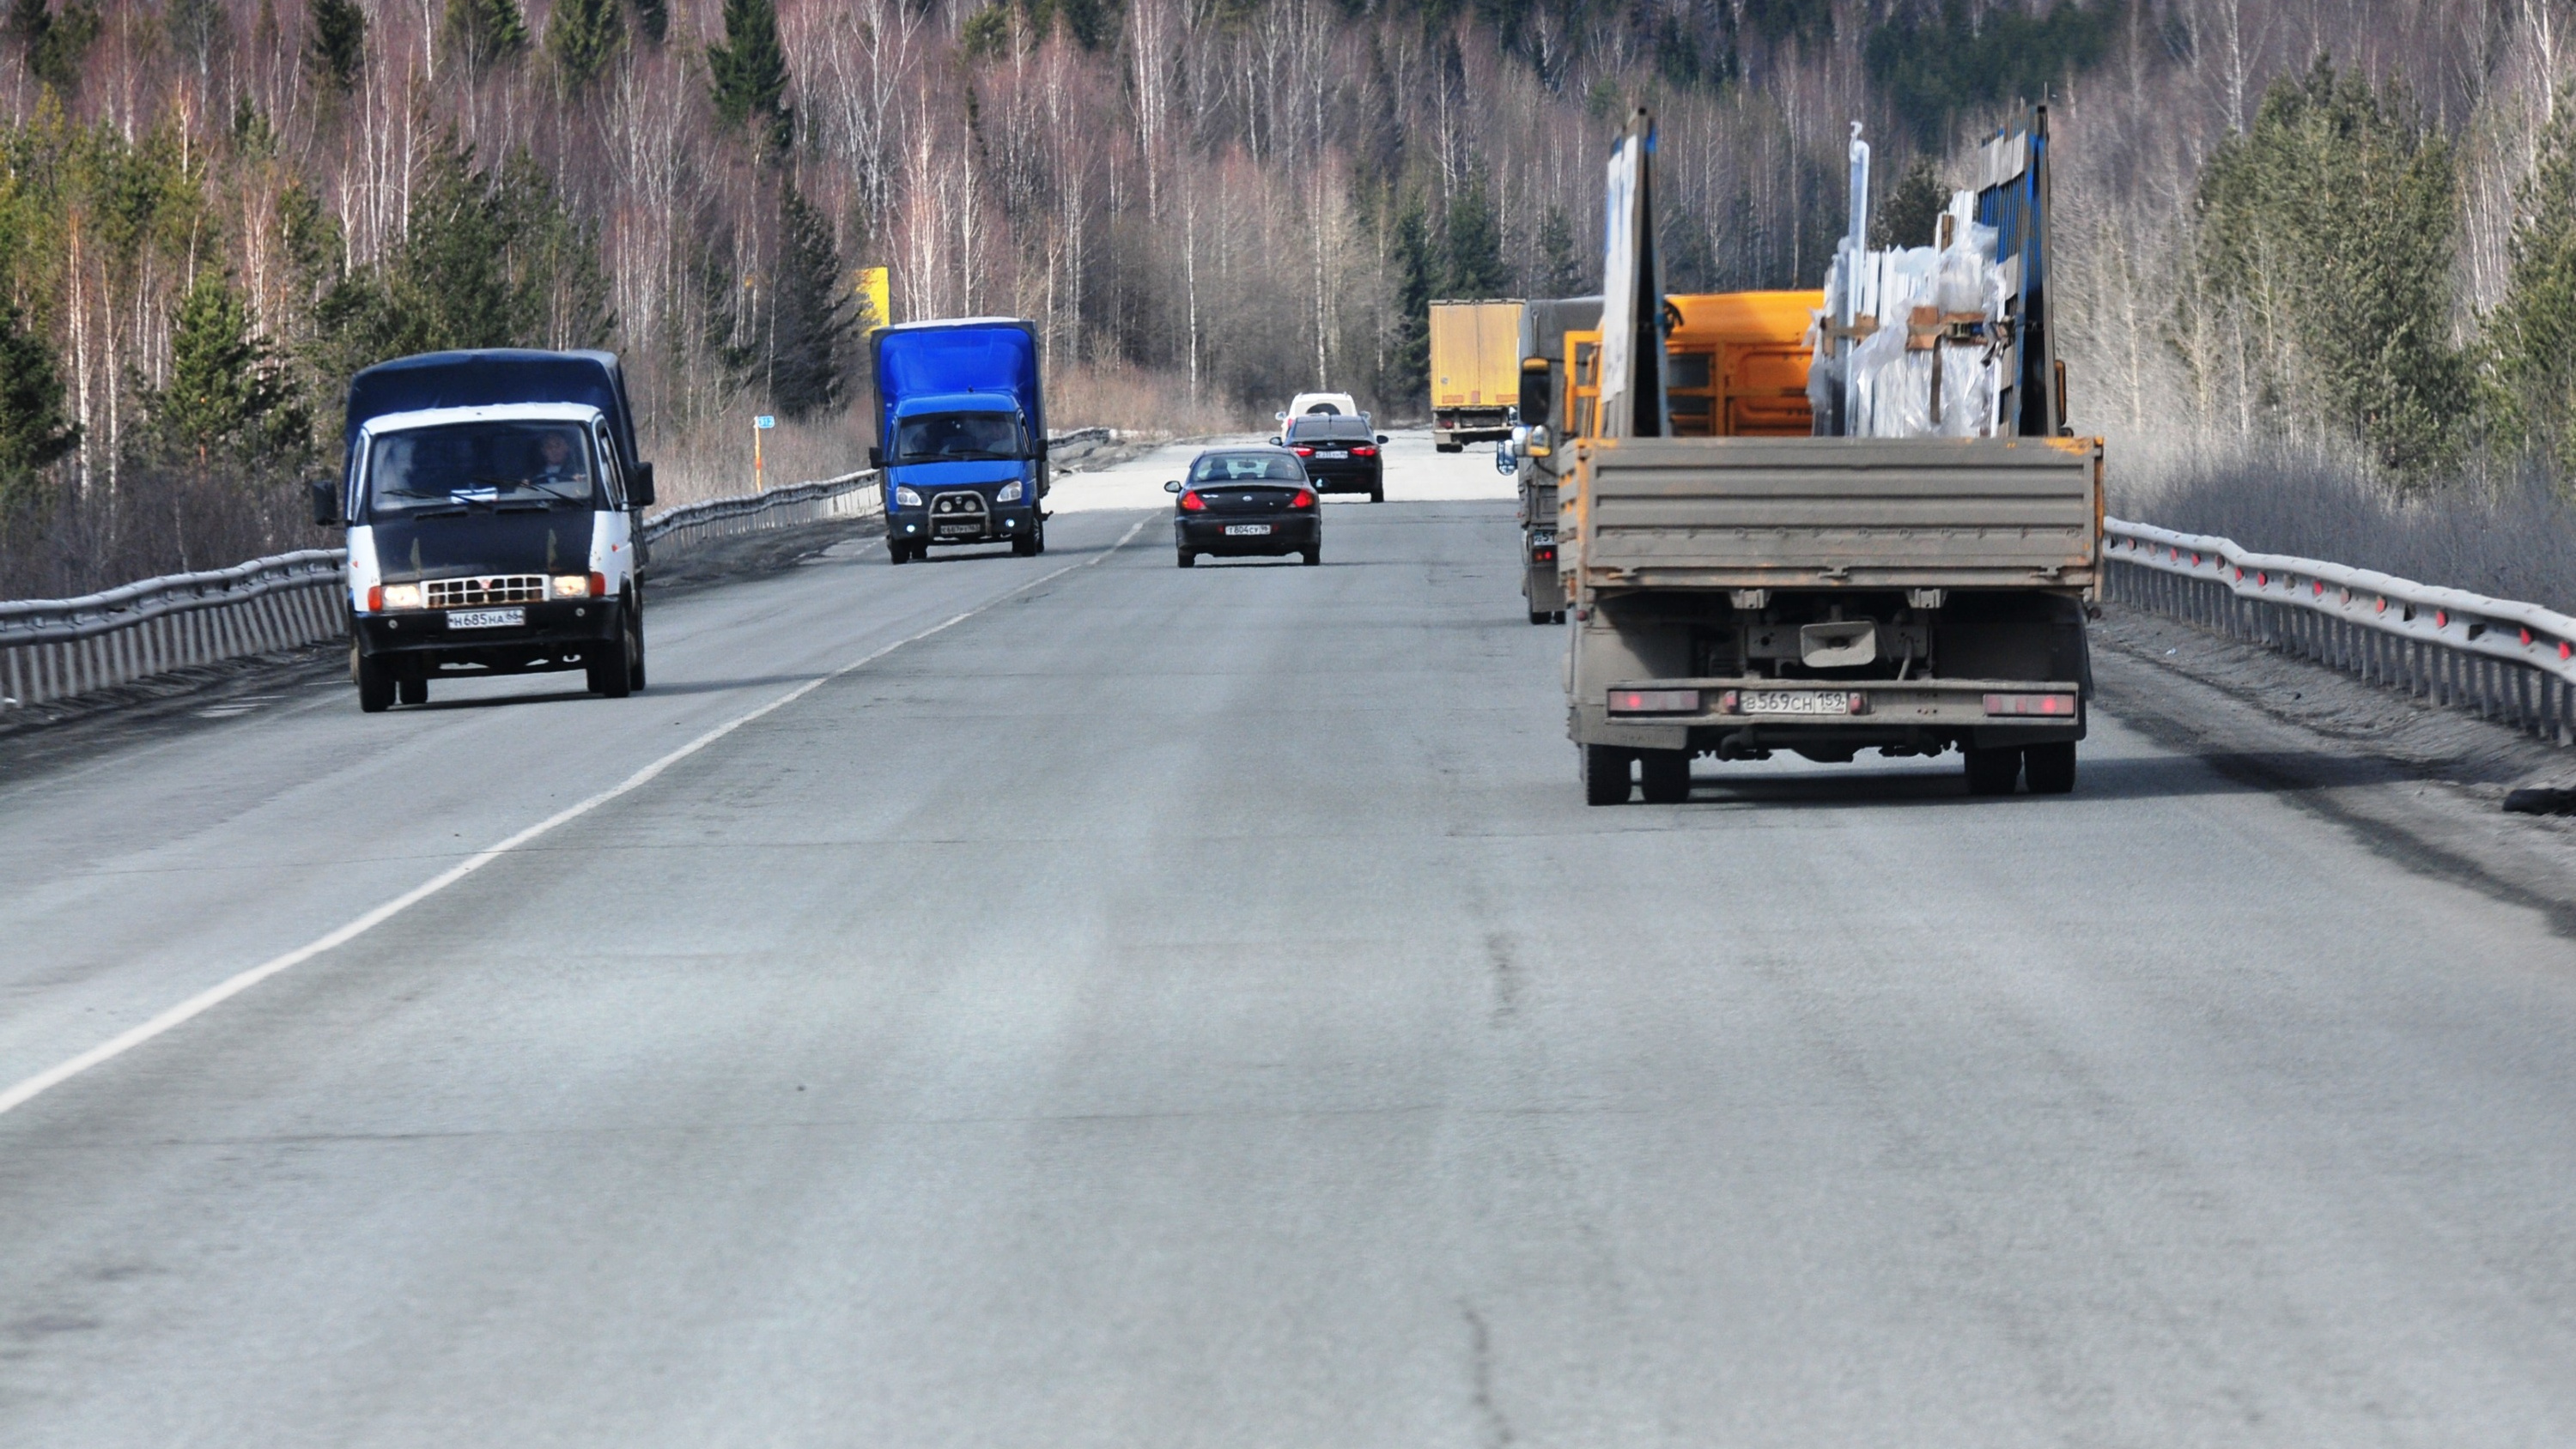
x=326, y=501
x=639, y=487
x=1278, y=417
x=1173, y=486
x=876, y=456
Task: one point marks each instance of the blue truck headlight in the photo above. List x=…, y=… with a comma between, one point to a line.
x=1008, y=492
x=906, y=498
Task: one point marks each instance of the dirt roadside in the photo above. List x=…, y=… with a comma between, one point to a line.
x=2419, y=784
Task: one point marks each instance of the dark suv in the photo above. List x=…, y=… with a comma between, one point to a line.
x=1340, y=453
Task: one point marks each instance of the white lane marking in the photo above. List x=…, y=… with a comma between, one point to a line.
x=216, y=995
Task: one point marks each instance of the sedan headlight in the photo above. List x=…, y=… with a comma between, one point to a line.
x=1008, y=492
x=400, y=596
x=906, y=498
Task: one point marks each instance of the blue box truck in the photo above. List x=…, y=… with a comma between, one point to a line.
x=961, y=435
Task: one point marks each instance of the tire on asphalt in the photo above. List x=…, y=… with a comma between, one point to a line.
x=1025, y=545
x=1664, y=776
x=898, y=551
x=1313, y=556
x=2050, y=768
x=375, y=681
x=1188, y=559
x=609, y=669
x=411, y=691
x=1605, y=774
x=1540, y=616
x=1377, y=494
x=1991, y=771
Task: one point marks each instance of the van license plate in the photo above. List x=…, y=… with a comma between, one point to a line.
x=486, y=618
x=960, y=530
x=1799, y=701
x=1235, y=529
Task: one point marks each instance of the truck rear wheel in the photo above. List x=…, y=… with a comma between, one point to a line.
x=1665, y=775
x=2050, y=767
x=1992, y=771
x=1541, y=616
x=1605, y=774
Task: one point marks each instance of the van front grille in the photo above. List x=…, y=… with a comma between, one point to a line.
x=493, y=589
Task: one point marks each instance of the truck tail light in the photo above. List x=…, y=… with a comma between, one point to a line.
x=1730, y=702
x=2047, y=706
x=1544, y=553
x=1858, y=703
x=1654, y=701
x=1191, y=502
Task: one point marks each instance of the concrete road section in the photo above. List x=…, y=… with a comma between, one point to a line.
x=1195, y=1008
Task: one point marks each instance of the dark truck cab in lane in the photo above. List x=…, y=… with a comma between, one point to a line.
x=493, y=502
x=961, y=435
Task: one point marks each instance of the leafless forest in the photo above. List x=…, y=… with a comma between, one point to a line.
x=1206, y=203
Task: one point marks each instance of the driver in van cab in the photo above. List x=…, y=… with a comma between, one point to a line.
x=556, y=460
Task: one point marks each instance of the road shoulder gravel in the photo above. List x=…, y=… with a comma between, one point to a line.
x=2418, y=783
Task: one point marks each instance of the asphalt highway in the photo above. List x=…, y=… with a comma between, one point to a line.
x=1077, y=1002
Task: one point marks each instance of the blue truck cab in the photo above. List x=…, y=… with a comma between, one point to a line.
x=494, y=504
x=961, y=435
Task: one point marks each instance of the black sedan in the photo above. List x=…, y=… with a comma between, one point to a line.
x=1246, y=501
x=1341, y=454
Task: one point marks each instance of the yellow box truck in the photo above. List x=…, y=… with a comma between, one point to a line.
x=1475, y=371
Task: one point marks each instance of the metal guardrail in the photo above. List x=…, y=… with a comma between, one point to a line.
x=53, y=649
x=852, y=495
x=2509, y=661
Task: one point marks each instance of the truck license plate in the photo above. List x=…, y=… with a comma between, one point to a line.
x=1796, y=701
x=1246, y=528
x=486, y=618
x=1543, y=537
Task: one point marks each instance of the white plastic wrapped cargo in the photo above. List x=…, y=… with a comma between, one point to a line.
x=1931, y=368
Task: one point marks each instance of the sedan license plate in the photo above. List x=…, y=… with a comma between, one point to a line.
x=1332, y=455
x=486, y=618
x=1795, y=701
x=1238, y=529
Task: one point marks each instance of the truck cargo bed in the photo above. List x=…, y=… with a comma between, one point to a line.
x=1757, y=513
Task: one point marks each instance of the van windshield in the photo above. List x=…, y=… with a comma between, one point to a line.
x=504, y=467
x=955, y=437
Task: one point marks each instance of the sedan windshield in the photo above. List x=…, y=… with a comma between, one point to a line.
x=952, y=437
x=473, y=467
x=1329, y=428
x=1247, y=468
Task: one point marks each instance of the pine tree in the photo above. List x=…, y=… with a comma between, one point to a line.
x=583, y=37
x=2531, y=335
x=487, y=30
x=1475, y=246
x=55, y=42
x=1911, y=214
x=338, y=47
x=227, y=396
x=2331, y=221
x=1409, y=367
x=749, y=73
x=33, y=431
x=811, y=314
x=1560, y=266
x=653, y=17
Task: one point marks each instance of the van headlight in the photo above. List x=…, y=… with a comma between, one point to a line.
x=1008, y=492
x=400, y=596
x=906, y=498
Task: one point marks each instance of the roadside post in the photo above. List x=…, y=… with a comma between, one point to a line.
x=759, y=425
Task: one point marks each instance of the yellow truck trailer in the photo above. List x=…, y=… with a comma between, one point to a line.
x=1475, y=371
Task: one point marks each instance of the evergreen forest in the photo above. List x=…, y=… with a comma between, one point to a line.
x=2333, y=239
